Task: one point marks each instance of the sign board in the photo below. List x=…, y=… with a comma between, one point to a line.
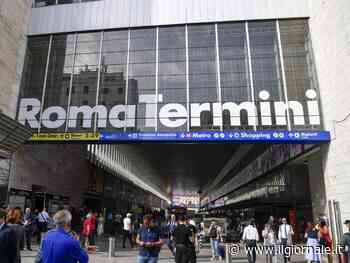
x=56, y=137
x=264, y=136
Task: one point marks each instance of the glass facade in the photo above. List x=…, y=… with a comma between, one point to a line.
x=223, y=76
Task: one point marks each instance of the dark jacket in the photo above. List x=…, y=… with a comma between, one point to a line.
x=19, y=232
x=8, y=245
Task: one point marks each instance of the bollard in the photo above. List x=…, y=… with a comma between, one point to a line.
x=111, y=247
x=228, y=254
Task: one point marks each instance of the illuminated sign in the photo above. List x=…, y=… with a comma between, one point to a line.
x=227, y=136
x=171, y=115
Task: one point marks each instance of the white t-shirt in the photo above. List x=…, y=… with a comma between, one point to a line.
x=127, y=224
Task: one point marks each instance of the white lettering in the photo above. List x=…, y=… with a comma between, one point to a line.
x=28, y=109
x=88, y=113
x=53, y=123
x=171, y=115
x=173, y=110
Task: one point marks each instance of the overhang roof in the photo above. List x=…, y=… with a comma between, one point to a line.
x=12, y=135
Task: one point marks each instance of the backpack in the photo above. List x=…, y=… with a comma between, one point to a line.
x=213, y=232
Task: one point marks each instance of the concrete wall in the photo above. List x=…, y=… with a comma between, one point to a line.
x=330, y=33
x=109, y=14
x=60, y=169
x=14, y=16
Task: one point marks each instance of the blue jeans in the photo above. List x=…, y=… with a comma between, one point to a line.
x=214, y=247
x=171, y=246
x=142, y=259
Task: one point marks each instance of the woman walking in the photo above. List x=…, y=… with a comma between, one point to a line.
x=269, y=242
x=313, y=251
x=326, y=240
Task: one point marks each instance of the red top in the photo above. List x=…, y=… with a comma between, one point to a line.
x=324, y=231
x=88, y=227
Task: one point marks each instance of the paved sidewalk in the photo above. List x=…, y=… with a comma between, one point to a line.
x=130, y=256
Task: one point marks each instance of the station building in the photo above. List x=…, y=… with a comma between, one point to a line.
x=257, y=89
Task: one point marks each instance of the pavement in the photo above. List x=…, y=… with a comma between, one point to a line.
x=130, y=256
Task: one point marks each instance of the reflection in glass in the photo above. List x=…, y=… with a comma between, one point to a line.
x=202, y=70
x=297, y=63
x=113, y=71
x=141, y=78
x=234, y=69
x=85, y=74
x=172, y=69
x=59, y=72
x=266, y=66
x=34, y=68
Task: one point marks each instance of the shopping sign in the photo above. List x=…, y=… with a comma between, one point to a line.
x=171, y=115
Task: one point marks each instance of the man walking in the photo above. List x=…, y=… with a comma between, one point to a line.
x=8, y=241
x=28, y=228
x=182, y=236
x=285, y=233
x=250, y=238
x=149, y=240
x=127, y=230
x=43, y=220
x=170, y=228
x=59, y=246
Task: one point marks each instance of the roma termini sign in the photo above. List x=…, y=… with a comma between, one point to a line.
x=171, y=115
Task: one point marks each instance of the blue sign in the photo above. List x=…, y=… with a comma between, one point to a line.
x=213, y=136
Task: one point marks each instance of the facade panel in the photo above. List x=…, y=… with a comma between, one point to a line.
x=110, y=14
x=216, y=76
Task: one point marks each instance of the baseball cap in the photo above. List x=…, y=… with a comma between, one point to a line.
x=347, y=222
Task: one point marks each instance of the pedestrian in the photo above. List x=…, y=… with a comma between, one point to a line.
x=8, y=241
x=326, y=240
x=182, y=236
x=86, y=241
x=149, y=240
x=215, y=238
x=127, y=230
x=250, y=238
x=28, y=228
x=43, y=220
x=285, y=233
x=312, y=244
x=269, y=242
x=170, y=228
x=192, y=257
x=14, y=222
x=100, y=225
x=93, y=228
x=58, y=245
x=345, y=244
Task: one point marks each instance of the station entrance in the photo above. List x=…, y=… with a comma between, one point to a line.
x=216, y=178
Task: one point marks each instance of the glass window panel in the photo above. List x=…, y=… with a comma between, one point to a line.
x=34, y=67
x=266, y=63
x=298, y=64
x=172, y=68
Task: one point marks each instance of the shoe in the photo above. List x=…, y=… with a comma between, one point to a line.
x=29, y=249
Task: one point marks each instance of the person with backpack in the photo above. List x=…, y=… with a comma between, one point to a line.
x=215, y=238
